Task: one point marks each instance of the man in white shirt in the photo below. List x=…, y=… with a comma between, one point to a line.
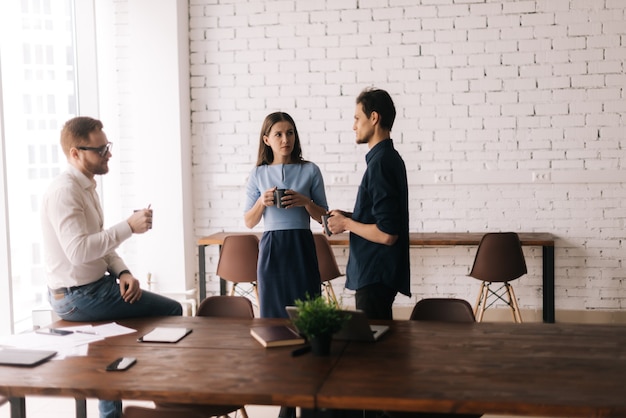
x=87, y=280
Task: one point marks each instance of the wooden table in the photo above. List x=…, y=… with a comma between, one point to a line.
x=532, y=369
x=421, y=239
x=218, y=363
x=555, y=370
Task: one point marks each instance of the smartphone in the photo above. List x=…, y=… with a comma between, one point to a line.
x=120, y=364
x=53, y=331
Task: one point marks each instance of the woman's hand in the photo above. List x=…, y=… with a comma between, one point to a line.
x=294, y=199
x=267, y=197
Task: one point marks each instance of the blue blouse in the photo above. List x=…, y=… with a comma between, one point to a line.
x=304, y=178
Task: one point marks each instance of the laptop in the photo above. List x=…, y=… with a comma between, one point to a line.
x=24, y=357
x=357, y=328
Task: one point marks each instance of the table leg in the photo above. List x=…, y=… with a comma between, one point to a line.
x=548, y=284
x=18, y=407
x=81, y=408
x=201, y=273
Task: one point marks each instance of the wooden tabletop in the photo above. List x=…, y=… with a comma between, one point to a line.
x=571, y=370
x=415, y=238
x=218, y=363
x=533, y=369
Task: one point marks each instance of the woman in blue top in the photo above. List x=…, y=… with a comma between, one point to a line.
x=287, y=267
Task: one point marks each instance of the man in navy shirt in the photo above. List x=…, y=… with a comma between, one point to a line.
x=378, y=265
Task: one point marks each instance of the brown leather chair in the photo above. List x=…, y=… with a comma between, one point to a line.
x=328, y=267
x=443, y=309
x=499, y=259
x=238, y=262
x=226, y=307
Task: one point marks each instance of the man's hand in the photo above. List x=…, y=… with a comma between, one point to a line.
x=341, y=221
x=130, y=289
x=140, y=221
x=338, y=221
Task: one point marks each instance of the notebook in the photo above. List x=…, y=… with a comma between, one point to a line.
x=357, y=328
x=165, y=335
x=24, y=357
x=276, y=335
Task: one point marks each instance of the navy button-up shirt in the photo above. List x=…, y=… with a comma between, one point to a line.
x=383, y=199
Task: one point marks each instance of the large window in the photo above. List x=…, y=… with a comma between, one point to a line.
x=39, y=92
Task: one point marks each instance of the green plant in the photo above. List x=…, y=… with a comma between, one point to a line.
x=318, y=317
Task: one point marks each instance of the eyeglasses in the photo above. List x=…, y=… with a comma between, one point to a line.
x=102, y=151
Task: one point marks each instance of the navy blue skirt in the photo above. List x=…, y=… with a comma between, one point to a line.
x=287, y=270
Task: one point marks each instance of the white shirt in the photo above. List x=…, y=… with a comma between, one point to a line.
x=77, y=249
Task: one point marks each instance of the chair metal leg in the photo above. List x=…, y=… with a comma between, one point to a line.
x=517, y=316
x=255, y=289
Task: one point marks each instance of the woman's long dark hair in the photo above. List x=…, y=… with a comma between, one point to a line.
x=266, y=155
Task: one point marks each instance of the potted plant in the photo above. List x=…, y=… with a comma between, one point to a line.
x=318, y=320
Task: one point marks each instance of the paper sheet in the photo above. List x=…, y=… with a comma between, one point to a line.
x=75, y=344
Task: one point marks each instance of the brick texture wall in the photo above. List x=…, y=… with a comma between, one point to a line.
x=511, y=116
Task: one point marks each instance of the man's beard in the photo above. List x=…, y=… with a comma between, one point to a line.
x=98, y=169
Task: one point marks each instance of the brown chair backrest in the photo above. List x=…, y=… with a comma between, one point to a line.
x=226, y=307
x=443, y=309
x=326, y=258
x=499, y=258
x=238, y=258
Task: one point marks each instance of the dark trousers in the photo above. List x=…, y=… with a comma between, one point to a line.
x=376, y=300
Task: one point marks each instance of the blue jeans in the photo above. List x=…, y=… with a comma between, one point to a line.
x=110, y=409
x=101, y=301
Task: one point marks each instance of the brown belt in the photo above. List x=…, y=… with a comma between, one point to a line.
x=63, y=290
x=67, y=290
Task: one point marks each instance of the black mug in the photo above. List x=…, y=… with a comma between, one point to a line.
x=325, y=225
x=278, y=195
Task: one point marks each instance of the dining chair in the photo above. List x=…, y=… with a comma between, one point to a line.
x=499, y=259
x=443, y=309
x=221, y=306
x=226, y=307
x=238, y=263
x=328, y=267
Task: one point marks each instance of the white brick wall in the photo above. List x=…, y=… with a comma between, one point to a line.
x=491, y=91
x=487, y=93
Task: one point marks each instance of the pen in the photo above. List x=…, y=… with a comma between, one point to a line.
x=86, y=332
x=299, y=351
